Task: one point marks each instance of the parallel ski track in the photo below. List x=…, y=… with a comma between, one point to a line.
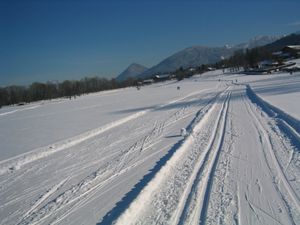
x=77, y=197
x=196, y=203
x=15, y=163
x=207, y=160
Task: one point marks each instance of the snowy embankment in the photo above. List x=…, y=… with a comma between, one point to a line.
x=275, y=112
x=280, y=90
x=118, y=157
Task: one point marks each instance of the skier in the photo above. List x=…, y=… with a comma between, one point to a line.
x=183, y=132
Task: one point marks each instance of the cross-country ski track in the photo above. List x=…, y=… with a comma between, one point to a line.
x=238, y=164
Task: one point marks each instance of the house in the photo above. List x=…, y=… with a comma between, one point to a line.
x=292, y=50
x=191, y=69
x=211, y=68
x=267, y=64
x=264, y=67
x=281, y=55
x=161, y=77
x=148, y=81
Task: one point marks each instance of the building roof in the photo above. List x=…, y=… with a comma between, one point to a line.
x=294, y=47
x=268, y=63
x=148, y=81
x=162, y=76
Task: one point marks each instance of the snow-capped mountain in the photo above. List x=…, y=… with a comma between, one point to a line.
x=192, y=56
x=197, y=55
x=258, y=41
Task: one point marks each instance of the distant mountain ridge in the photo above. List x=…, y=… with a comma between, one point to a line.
x=196, y=56
x=131, y=71
x=292, y=39
x=258, y=41
x=189, y=57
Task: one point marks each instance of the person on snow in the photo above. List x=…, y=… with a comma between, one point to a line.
x=183, y=132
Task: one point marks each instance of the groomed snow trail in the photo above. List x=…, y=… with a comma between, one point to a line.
x=96, y=165
x=238, y=164
x=250, y=184
x=165, y=198
x=225, y=172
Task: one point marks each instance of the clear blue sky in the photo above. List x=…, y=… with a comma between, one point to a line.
x=56, y=40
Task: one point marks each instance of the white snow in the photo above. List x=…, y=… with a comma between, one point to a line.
x=119, y=157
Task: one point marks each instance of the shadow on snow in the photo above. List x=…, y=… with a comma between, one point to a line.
x=122, y=205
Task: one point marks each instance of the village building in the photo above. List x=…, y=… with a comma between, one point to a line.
x=148, y=81
x=161, y=77
x=292, y=50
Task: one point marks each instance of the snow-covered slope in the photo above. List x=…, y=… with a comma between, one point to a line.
x=118, y=157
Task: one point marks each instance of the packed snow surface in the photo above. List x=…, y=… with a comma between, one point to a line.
x=119, y=157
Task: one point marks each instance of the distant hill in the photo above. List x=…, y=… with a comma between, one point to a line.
x=292, y=39
x=197, y=55
x=131, y=71
x=193, y=56
x=258, y=41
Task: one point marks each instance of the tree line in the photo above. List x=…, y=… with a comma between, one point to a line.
x=243, y=58
x=182, y=73
x=248, y=58
x=69, y=88
x=37, y=91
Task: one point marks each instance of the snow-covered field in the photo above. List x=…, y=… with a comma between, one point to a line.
x=117, y=157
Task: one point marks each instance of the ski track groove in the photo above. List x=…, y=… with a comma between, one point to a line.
x=44, y=197
x=81, y=187
x=169, y=121
x=223, y=204
x=192, y=205
x=15, y=163
x=200, y=192
x=190, y=186
x=164, y=171
x=156, y=131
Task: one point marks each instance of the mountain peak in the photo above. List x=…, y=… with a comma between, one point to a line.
x=133, y=65
x=133, y=70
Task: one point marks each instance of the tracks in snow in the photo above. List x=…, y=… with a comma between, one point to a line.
x=180, y=190
x=120, y=163
x=183, y=188
x=196, y=206
x=278, y=132
x=19, y=161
